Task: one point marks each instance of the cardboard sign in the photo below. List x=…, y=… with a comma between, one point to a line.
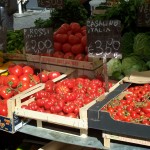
x=3, y=39
x=144, y=16
x=38, y=41
x=103, y=38
x=51, y=3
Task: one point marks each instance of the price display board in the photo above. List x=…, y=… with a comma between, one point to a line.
x=143, y=16
x=51, y=3
x=3, y=39
x=103, y=38
x=38, y=41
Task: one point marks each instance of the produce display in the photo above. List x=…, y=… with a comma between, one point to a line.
x=66, y=97
x=70, y=42
x=17, y=79
x=133, y=106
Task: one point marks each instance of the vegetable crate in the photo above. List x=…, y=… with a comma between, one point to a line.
x=14, y=56
x=11, y=123
x=80, y=123
x=99, y=118
x=91, y=68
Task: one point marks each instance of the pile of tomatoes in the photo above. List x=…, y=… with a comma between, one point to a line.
x=70, y=42
x=133, y=107
x=66, y=97
x=19, y=78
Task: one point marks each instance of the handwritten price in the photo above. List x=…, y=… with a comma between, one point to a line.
x=39, y=46
x=108, y=47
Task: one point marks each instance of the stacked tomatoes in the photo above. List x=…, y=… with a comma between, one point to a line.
x=133, y=107
x=19, y=78
x=67, y=96
x=70, y=42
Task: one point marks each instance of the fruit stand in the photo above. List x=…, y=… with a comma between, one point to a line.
x=78, y=81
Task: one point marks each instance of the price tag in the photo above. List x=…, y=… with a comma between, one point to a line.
x=51, y=3
x=38, y=41
x=103, y=38
x=3, y=39
x=143, y=19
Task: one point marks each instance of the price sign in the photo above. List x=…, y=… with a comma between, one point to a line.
x=51, y=3
x=144, y=15
x=38, y=41
x=103, y=38
x=3, y=38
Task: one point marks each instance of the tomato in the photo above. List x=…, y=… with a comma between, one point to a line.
x=79, y=57
x=75, y=27
x=2, y=80
x=24, y=106
x=15, y=70
x=96, y=82
x=57, y=46
x=35, y=79
x=28, y=70
x=53, y=74
x=33, y=106
x=58, y=54
x=61, y=38
x=70, y=97
x=49, y=86
x=24, y=77
x=62, y=89
x=66, y=26
x=43, y=76
x=79, y=35
x=84, y=40
x=71, y=115
x=87, y=100
x=22, y=86
x=6, y=92
x=72, y=39
x=61, y=30
x=3, y=110
x=146, y=109
x=70, y=83
x=40, y=102
x=69, y=55
x=11, y=81
x=66, y=47
x=69, y=108
x=77, y=49
x=41, y=94
x=48, y=104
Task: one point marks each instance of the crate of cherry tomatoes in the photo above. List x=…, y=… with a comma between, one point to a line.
x=15, y=81
x=126, y=110
x=64, y=103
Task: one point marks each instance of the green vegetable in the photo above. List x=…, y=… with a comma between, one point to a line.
x=132, y=64
x=117, y=75
x=148, y=64
x=113, y=65
x=141, y=45
x=127, y=41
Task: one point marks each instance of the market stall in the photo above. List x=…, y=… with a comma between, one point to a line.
x=79, y=80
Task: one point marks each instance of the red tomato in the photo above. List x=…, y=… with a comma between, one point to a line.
x=48, y=104
x=69, y=55
x=75, y=27
x=3, y=110
x=22, y=86
x=146, y=109
x=66, y=47
x=66, y=26
x=28, y=70
x=71, y=115
x=40, y=102
x=62, y=89
x=72, y=39
x=53, y=74
x=58, y=54
x=61, y=30
x=15, y=70
x=79, y=57
x=24, y=77
x=49, y=86
x=57, y=46
x=35, y=79
x=61, y=38
x=11, y=81
x=79, y=35
x=43, y=76
x=77, y=49
x=84, y=40
x=6, y=92
x=2, y=80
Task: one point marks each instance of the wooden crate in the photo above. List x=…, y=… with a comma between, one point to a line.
x=11, y=123
x=14, y=56
x=108, y=137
